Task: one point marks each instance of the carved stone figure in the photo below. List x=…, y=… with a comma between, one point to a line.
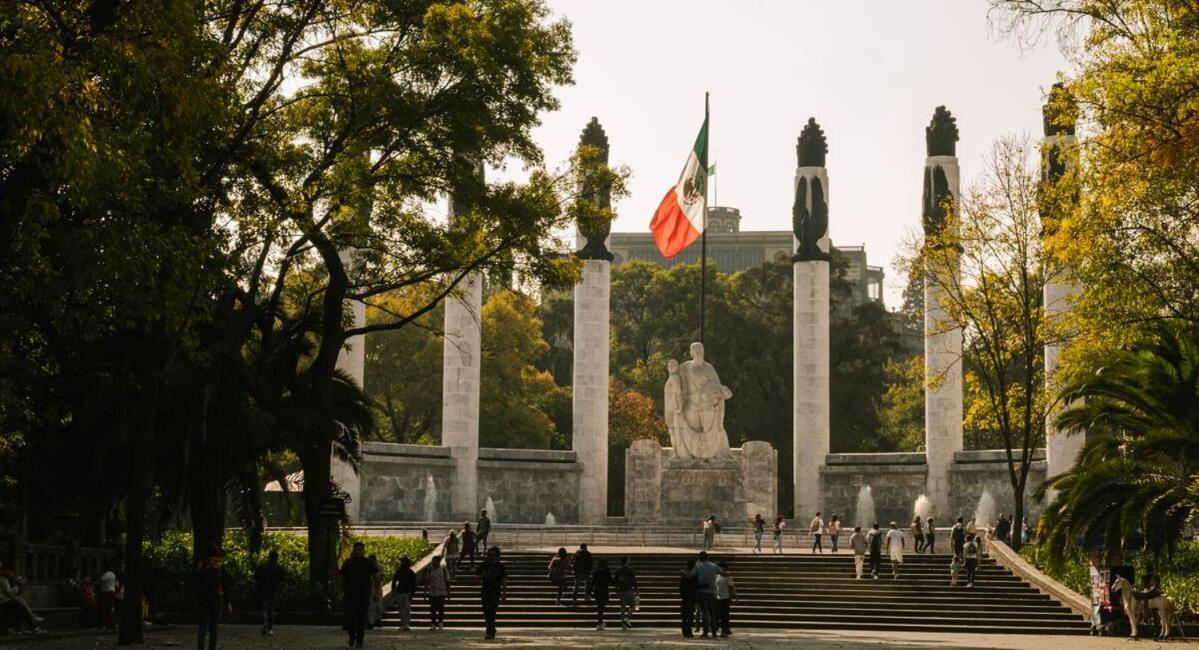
x=810, y=224
x=936, y=194
x=941, y=135
x=596, y=232
x=697, y=430
x=672, y=403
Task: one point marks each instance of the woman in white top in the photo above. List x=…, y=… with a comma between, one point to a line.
x=779, y=524
x=895, y=546
x=817, y=529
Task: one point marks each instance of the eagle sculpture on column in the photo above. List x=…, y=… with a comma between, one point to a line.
x=809, y=214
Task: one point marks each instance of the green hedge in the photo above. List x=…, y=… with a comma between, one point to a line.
x=168, y=568
x=1179, y=573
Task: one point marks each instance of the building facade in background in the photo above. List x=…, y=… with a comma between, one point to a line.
x=732, y=250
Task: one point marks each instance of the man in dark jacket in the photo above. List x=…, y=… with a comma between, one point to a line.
x=208, y=583
x=358, y=584
x=493, y=587
x=267, y=577
x=403, y=585
x=582, y=564
x=688, y=586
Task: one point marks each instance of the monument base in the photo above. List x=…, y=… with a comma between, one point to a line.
x=663, y=490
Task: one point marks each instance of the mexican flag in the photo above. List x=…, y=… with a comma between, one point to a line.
x=682, y=215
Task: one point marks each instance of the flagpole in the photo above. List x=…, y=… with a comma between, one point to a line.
x=703, y=238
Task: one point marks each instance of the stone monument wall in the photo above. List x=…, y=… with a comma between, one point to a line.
x=524, y=484
x=897, y=480
x=660, y=490
x=395, y=481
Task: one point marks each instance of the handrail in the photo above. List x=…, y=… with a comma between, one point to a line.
x=1010, y=559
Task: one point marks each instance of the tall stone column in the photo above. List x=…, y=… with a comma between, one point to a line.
x=460, y=392
x=1057, y=153
x=942, y=339
x=810, y=362
x=352, y=361
x=461, y=363
x=591, y=347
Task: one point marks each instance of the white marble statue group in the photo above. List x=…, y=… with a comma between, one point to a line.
x=694, y=408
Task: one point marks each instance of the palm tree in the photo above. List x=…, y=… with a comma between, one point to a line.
x=1138, y=473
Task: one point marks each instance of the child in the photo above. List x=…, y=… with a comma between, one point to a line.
x=955, y=567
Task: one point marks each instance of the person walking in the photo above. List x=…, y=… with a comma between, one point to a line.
x=267, y=578
x=493, y=580
x=917, y=530
x=971, y=552
x=357, y=581
x=895, y=544
x=451, y=550
x=930, y=536
x=375, y=616
x=780, y=523
x=108, y=597
x=469, y=544
x=759, y=529
x=705, y=575
x=816, y=527
x=875, y=541
x=972, y=528
x=482, y=529
x=857, y=543
x=403, y=585
x=208, y=582
x=582, y=565
x=437, y=591
x=957, y=537
x=599, y=583
x=709, y=526
x=558, y=570
x=726, y=593
x=626, y=588
x=1003, y=528
x=834, y=531
x=688, y=585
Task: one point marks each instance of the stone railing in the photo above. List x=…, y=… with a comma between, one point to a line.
x=54, y=563
x=1004, y=555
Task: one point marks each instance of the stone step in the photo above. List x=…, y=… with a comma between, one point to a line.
x=799, y=591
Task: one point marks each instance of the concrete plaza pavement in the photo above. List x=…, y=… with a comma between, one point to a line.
x=294, y=637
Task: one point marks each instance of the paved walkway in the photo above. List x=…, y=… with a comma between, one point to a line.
x=296, y=637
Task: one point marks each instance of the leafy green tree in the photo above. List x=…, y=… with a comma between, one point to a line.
x=1134, y=88
x=403, y=373
x=514, y=396
x=901, y=410
x=990, y=270
x=1138, y=473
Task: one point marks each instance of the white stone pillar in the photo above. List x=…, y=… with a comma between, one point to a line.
x=460, y=393
x=942, y=374
x=352, y=361
x=810, y=365
x=590, y=382
x=1061, y=449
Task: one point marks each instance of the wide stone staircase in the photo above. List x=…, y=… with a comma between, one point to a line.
x=781, y=591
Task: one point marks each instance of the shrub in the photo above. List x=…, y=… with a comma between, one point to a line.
x=1179, y=573
x=168, y=568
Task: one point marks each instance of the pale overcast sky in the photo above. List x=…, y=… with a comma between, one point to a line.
x=870, y=72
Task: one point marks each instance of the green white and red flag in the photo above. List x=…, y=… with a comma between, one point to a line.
x=682, y=215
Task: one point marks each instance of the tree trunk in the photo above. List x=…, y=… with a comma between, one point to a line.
x=141, y=470
x=1017, y=515
x=321, y=526
x=206, y=485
